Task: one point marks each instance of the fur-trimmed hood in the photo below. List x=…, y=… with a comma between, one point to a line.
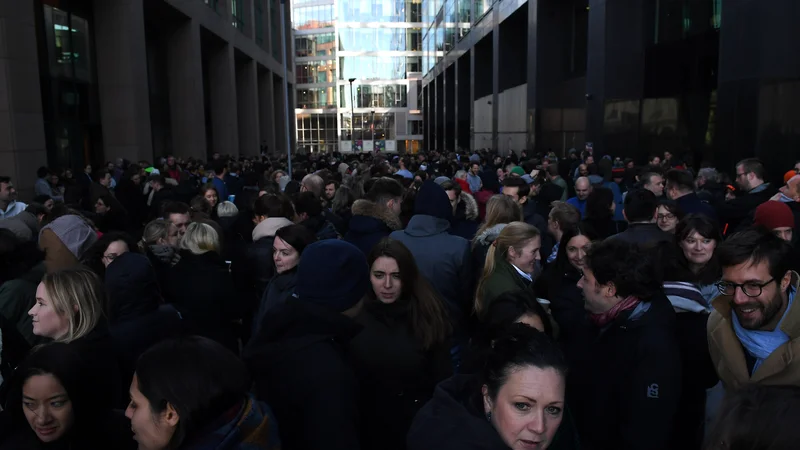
x=490, y=234
x=269, y=227
x=470, y=206
x=374, y=210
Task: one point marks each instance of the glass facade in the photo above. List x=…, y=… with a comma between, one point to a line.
x=275, y=29
x=315, y=45
x=312, y=17
x=372, y=67
x=380, y=11
x=678, y=19
x=317, y=132
x=380, y=39
x=315, y=72
x=237, y=14
x=258, y=20
x=368, y=126
x=310, y=98
x=374, y=96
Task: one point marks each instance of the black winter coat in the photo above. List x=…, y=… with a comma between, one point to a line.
x=279, y=290
x=370, y=223
x=396, y=375
x=299, y=365
x=201, y=288
x=625, y=380
x=737, y=213
x=644, y=234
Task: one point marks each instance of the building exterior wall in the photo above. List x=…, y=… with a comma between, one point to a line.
x=94, y=80
x=376, y=43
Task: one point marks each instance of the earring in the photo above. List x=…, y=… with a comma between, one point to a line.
x=489, y=416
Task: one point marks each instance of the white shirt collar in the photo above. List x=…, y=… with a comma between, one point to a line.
x=527, y=276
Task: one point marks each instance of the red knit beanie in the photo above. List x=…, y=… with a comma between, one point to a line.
x=774, y=214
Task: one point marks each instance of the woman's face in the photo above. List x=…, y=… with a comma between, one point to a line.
x=212, y=198
x=173, y=237
x=385, y=278
x=528, y=408
x=698, y=249
x=49, y=204
x=47, y=407
x=284, y=255
x=47, y=322
x=525, y=259
x=100, y=207
x=278, y=176
x=113, y=251
x=666, y=220
x=151, y=431
x=576, y=251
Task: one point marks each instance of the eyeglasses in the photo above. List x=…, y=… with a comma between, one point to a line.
x=741, y=174
x=669, y=216
x=750, y=289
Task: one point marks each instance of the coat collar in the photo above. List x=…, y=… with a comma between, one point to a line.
x=370, y=209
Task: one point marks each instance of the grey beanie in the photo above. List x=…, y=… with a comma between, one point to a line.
x=74, y=233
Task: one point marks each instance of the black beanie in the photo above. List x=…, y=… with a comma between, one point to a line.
x=332, y=273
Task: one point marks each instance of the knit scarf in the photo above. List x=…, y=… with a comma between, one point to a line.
x=760, y=344
x=607, y=317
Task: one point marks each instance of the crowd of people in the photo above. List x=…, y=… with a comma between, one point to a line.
x=374, y=301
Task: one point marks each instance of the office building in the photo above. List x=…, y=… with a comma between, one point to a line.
x=88, y=81
x=357, y=65
x=712, y=79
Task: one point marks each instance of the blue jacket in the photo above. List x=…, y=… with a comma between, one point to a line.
x=370, y=223
x=691, y=204
x=222, y=189
x=581, y=205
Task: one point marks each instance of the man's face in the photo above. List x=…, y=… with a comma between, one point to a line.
x=792, y=188
x=582, y=190
x=106, y=180
x=741, y=178
x=88, y=169
x=137, y=179
x=8, y=193
x=552, y=226
x=656, y=185
x=330, y=191
x=181, y=222
x=655, y=161
x=54, y=180
x=171, y=161
x=589, y=160
x=100, y=207
x=453, y=197
x=513, y=192
x=474, y=169
x=629, y=165
x=583, y=170
x=784, y=233
x=667, y=156
x=593, y=293
x=761, y=312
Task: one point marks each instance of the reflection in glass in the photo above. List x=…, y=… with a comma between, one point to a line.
x=317, y=132
x=314, y=45
x=380, y=11
x=312, y=17
x=378, y=39
x=316, y=72
x=372, y=67
x=316, y=97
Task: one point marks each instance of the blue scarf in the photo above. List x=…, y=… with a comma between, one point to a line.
x=761, y=344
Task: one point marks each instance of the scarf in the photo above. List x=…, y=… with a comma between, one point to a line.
x=760, y=344
x=248, y=426
x=607, y=317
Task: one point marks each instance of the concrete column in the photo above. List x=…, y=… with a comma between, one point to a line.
x=247, y=108
x=122, y=79
x=186, y=91
x=266, y=110
x=22, y=144
x=222, y=88
x=279, y=115
x=496, y=84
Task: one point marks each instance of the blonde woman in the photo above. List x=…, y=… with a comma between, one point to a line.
x=500, y=211
x=69, y=305
x=201, y=288
x=511, y=264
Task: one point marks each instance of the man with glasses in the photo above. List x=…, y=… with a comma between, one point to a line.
x=754, y=330
x=737, y=213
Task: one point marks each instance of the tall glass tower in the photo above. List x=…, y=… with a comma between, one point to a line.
x=358, y=70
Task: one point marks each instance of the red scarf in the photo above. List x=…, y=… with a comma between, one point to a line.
x=607, y=317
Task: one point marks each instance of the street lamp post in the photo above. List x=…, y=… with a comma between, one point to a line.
x=352, y=116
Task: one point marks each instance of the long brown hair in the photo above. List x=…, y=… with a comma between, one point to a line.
x=499, y=209
x=429, y=320
x=515, y=235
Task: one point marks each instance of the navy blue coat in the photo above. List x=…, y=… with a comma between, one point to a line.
x=691, y=204
x=370, y=223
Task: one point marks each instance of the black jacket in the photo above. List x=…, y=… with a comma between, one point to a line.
x=532, y=217
x=625, y=380
x=370, y=223
x=201, y=288
x=279, y=290
x=737, y=213
x=692, y=204
x=300, y=368
x=396, y=375
x=454, y=419
x=644, y=234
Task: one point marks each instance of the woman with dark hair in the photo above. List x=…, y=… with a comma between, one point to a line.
x=692, y=269
x=559, y=284
x=403, y=350
x=668, y=215
x=192, y=393
x=54, y=403
x=517, y=402
x=287, y=248
x=757, y=417
x=600, y=209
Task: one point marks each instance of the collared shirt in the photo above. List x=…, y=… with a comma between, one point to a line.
x=13, y=209
x=553, y=254
x=527, y=276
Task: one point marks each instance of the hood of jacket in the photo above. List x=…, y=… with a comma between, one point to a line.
x=371, y=217
x=24, y=225
x=269, y=226
x=423, y=225
x=453, y=419
x=490, y=234
x=432, y=200
x=132, y=287
x=468, y=205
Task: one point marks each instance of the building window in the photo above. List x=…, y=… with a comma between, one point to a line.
x=275, y=28
x=311, y=98
x=212, y=4
x=312, y=17
x=315, y=45
x=415, y=127
x=237, y=14
x=317, y=132
x=372, y=67
x=315, y=72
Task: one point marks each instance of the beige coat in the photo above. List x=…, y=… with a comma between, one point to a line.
x=782, y=367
